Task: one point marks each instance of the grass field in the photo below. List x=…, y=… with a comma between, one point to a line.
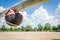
x=29, y=35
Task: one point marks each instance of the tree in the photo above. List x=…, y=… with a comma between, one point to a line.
x=15, y=29
x=7, y=29
x=35, y=29
x=22, y=28
x=18, y=29
x=54, y=28
x=0, y=29
x=58, y=27
x=3, y=27
x=40, y=27
x=47, y=27
x=28, y=28
x=11, y=29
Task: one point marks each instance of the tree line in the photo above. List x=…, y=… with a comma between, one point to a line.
x=46, y=28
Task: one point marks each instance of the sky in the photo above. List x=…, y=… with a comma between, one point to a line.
x=48, y=12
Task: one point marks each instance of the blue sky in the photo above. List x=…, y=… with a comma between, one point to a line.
x=50, y=6
x=51, y=9
x=8, y=3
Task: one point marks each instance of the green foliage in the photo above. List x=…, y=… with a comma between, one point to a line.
x=18, y=29
x=3, y=28
x=54, y=28
x=11, y=29
x=22, y=28
x=58, y=27
x=7, y=29
x=0, y=29
x=46, y=28
x=35, y=29
x=15, y=29
x=40, y=27
x=28, y=28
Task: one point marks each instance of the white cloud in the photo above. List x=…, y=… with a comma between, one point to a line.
x=57, y=12
x=40, y=15
x=2, y=20
x=2, y=9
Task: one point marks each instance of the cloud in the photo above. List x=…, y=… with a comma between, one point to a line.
x=40, y=15
x=57, y=12
x=2, y=20
x=2, y=9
